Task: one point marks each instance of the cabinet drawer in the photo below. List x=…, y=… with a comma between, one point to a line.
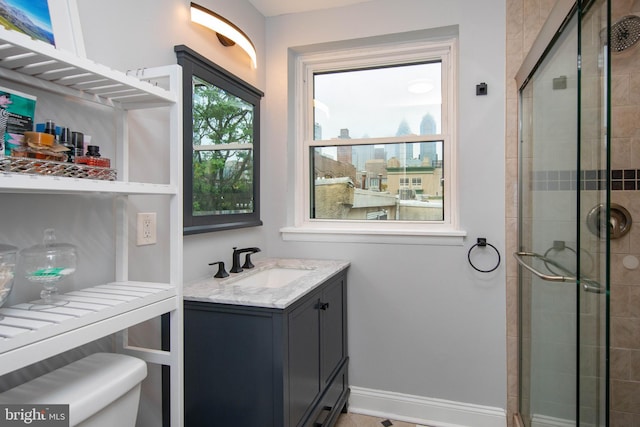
x=331, y=402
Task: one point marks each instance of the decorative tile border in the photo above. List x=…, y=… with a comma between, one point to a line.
x=594, y=179
x=625, y=179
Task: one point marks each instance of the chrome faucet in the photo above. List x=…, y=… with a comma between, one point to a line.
x=235, y=268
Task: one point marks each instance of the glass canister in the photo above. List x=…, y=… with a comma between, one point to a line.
x=8, y=256
x=47, y=264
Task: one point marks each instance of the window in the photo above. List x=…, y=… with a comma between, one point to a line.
x=221, y=147
x=375, y=140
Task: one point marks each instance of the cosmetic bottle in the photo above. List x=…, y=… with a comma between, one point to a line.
x=93, y=158
x=77, y=141
x=50, y=127
x=65, y=139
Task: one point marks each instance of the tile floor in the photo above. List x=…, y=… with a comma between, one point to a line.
x=357, y=420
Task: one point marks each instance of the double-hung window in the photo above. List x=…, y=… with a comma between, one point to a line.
x=375, y=140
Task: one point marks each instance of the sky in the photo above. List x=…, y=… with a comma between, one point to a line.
x=372, y=103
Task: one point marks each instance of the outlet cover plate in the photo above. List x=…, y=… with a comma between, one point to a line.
x=146, y=233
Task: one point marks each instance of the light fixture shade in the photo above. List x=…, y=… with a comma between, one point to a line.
x=213, y=21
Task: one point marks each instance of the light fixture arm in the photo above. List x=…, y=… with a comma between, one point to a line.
x=225, y=41
x=227, y=32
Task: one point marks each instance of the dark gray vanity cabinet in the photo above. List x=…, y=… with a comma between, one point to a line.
x=251, y=366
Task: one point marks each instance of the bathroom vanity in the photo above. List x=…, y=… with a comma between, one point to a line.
x=265, y=352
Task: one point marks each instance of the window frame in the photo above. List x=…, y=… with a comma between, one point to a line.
x=305, y=65
x=195, y=65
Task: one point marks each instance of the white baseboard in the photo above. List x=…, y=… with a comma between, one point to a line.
x=423, y=410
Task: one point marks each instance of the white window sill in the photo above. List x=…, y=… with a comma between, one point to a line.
x=406, y=236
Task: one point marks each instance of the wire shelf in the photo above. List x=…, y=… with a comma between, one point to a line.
x=30, y=166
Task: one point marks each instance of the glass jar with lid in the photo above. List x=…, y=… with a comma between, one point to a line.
x=8, y=254
x=47, y=264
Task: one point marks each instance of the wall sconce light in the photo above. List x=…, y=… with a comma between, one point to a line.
x=228, y=33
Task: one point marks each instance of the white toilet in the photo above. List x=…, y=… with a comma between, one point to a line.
x=102, y=390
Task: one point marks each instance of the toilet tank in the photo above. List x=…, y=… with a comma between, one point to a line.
x=102, y=390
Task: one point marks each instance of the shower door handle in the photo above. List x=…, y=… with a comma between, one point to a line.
x=587, y=284
x=549, y=278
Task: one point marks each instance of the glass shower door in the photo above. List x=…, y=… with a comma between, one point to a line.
x=594, y=226
x=563, y=264
x=548, y=239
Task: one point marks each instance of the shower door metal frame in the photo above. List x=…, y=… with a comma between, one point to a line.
x=558, y=17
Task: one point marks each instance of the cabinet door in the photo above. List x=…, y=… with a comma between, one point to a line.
x=333, y=344
x=304, y=358
x=229, y=368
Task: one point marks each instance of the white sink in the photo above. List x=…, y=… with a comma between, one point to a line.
x=275, y=277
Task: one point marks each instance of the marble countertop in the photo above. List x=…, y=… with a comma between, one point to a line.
x=224, y=291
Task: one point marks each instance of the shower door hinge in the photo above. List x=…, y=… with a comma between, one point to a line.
x=579, y=62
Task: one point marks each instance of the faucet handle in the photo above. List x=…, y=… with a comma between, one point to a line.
x=247, y=262
x=221, y=271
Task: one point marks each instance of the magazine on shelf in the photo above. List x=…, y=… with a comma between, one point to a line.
x=17, y=111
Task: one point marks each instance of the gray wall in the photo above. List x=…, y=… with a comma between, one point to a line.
x=421, y=322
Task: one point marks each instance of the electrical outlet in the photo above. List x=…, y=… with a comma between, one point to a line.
x=146, y=232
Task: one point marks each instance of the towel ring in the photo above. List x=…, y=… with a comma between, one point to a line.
x=482, y=242
x=558, y=246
